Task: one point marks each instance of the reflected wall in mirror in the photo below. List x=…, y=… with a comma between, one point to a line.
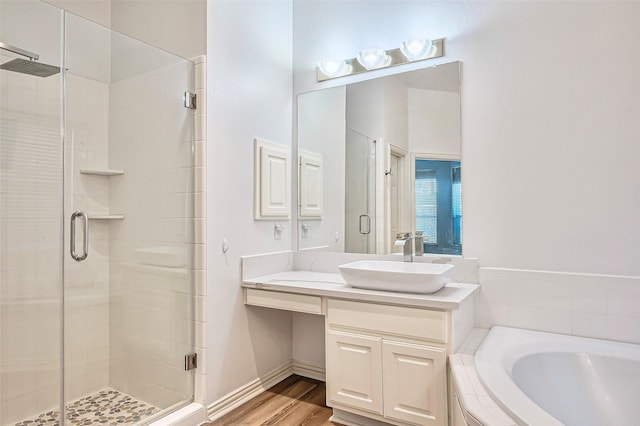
x=373, y=137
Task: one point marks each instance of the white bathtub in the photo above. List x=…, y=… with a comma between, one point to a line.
x=553, y=379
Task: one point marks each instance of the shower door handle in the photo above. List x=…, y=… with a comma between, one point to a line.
x=368, y=218
x=85, y=236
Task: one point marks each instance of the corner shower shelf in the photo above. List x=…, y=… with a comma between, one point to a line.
x=105, y=216
x=101, y=172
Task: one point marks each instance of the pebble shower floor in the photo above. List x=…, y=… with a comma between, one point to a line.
x=107, y=407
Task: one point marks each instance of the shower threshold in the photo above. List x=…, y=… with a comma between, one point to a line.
x=107, y=407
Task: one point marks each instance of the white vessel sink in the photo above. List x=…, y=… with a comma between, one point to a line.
x=407, y=277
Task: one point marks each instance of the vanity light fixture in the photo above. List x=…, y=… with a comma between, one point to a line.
x=334, y=67
x=373, y=58
x=415, y=49
x=411, y=50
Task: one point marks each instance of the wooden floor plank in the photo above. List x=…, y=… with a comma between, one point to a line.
x=257, y=402
x=295, y=401
x=309, y=411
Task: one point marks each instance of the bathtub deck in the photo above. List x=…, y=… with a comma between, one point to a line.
x=108, y=407
x=478, y=407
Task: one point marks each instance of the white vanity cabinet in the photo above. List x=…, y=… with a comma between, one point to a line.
x=387, y=362
x=385, y=352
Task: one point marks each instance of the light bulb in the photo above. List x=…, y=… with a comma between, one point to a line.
x=415, y=49
x=333, y=67
x=373, y=58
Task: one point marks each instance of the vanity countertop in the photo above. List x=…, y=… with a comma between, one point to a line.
x=333, y=285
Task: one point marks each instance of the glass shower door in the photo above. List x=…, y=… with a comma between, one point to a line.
x=30, y=212
x=129, y=205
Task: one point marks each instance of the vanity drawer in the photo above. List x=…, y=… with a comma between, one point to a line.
x=419, y=323
x=285, y=301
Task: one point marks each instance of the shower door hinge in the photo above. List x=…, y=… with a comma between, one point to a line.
x=189, y=100
x=190, y=361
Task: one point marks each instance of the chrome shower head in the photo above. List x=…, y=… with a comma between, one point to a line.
x=30, y=67
x=23, y=66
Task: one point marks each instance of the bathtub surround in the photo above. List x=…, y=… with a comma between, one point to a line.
x=588, y=305
x=470, y=403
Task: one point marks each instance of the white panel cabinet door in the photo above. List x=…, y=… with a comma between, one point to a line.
x=272, y=180
x=415, y=383
x=310, y=184
x=354, y=371
x=274, y=190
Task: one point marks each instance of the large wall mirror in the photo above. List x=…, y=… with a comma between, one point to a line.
x=381, y=157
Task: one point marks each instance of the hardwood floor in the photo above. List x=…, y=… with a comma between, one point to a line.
x=295, y=401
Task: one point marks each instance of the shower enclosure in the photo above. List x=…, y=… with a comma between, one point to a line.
x=96, y=222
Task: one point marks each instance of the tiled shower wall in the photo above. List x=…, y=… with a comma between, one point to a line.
x=151, y=271
x=589, y=305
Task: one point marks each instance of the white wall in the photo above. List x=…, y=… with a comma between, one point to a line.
x=365, y=108
x=249, y=70
x=396, y=111
x=434, y=122
x=321, y=129
x=549, y=126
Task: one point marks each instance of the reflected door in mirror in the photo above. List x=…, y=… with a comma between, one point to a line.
x=360, y=192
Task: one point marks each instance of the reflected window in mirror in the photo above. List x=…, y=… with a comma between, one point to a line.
x=438, y=205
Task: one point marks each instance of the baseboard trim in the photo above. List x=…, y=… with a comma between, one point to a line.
x=244, y=393
x=308, y=370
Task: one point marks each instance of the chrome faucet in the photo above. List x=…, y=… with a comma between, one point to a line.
x=404, y=240
x=419, y=244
